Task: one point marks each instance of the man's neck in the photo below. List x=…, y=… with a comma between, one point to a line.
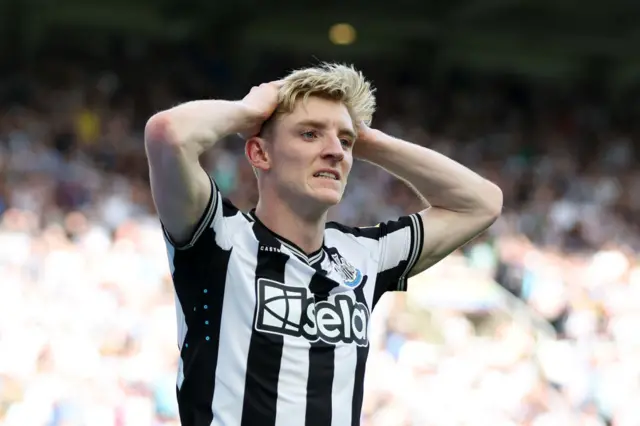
x=305, y=232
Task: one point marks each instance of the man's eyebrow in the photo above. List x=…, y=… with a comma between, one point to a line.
x=322, y=125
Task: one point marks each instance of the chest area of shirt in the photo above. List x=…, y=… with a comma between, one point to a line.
x=320, y=302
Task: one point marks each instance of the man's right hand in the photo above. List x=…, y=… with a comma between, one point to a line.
x=174, y=140
x=261, y=102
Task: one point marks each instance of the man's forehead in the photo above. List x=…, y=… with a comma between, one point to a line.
x=326, y=111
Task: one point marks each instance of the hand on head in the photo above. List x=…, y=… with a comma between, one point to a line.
x=365, y=134
x=261, y=101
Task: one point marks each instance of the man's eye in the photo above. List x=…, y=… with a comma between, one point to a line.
x=346, y=142
x=311, y=134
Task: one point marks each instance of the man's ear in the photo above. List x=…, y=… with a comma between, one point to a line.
x=255, y=148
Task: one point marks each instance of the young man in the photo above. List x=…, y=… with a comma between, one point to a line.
x=273, y=305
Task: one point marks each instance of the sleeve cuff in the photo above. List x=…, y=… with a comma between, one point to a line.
x=203, y=223
x=415, y=250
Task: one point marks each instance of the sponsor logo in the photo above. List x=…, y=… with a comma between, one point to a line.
x=292, y=311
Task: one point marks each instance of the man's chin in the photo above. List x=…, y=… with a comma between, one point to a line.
x=325, y=198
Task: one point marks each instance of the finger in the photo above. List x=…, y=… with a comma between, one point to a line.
x=278, y=83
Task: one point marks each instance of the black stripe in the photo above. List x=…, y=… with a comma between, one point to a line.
x=265, y=350
x=388, y=280
x=199, y=280
x=321, y=364
x=228, y=209
x=362, y=354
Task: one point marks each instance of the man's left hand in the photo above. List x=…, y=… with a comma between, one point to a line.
x=366, y=135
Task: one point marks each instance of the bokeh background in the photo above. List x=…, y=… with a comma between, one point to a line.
x=536, y=323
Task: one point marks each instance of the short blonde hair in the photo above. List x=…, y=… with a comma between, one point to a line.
x=342, y=83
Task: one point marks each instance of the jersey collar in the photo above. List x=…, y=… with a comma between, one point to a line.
x=310, y=259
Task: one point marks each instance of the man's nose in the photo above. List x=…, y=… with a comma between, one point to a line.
x=333, y=148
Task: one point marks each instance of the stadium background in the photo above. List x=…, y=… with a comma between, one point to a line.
x=536, y=323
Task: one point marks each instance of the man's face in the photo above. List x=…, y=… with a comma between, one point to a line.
x=311, y=153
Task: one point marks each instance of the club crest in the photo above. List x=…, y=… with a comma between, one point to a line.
x=351, y=275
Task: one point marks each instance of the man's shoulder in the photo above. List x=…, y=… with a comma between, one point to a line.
x=354, y=232
x=232, y=221
x=351, y=245
x=229, y=209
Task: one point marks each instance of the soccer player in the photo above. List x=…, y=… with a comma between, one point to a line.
x=273, y=305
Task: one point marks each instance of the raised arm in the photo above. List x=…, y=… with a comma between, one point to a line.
x=462, y=203
x=175, y=139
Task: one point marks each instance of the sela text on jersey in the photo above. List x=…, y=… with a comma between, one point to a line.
x=293, y=311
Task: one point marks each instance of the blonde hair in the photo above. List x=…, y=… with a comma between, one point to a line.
x=334, y=81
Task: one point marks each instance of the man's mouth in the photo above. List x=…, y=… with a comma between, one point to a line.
x=327, y=175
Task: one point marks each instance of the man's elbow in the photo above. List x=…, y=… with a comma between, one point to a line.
x=159, y=130
x=491, y=201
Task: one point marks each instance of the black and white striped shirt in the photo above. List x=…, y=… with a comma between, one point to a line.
x=271, y=336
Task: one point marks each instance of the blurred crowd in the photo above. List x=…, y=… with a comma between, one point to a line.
x=87, y=316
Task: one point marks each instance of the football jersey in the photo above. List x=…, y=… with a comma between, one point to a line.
x=271, y=335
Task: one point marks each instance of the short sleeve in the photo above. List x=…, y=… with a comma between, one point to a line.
x=211, y=221
x=399, y=245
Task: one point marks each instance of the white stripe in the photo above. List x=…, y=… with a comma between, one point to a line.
x=205, y=223
x=182, y=323
x=395, y=248
x=317, y=257
x=171, y=252
x=294, y=364
x=294, y=250
x=345, y=359
x=235, y=330
x=345, y=356
x=180, y=319
x=180, y=378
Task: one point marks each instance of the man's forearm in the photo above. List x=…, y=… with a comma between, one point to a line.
x=444, y=182
x=198, y=124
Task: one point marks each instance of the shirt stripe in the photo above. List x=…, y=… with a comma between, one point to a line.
x=199, y=288
x=236, y=328
x=294, y=366
x=265, y=350
x=321, y=360
x=362, y=352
